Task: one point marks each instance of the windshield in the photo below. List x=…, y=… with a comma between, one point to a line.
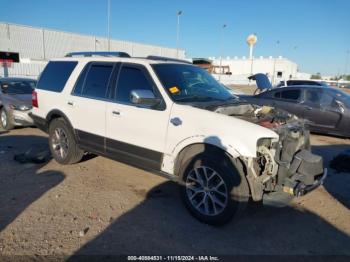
x=188, y=83
x=18, y=87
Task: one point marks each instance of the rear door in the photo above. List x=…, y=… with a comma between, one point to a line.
x=289, y=100
x=88, y=105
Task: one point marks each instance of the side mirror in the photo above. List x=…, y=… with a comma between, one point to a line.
x=340, y=105
x=144, y=97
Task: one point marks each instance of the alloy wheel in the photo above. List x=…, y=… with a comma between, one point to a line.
x=206, y=191
x=3, y=118
x=60, y=142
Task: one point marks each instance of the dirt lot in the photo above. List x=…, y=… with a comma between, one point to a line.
x=104, y=207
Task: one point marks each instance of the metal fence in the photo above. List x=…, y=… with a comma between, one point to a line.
x=37, y=45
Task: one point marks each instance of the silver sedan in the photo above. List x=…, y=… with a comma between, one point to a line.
x=15, y=102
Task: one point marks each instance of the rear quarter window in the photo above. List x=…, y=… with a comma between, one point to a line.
x=55, y=75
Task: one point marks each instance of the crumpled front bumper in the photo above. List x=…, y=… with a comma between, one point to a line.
x=305, y=173
x=302, y=175
x=303, y=189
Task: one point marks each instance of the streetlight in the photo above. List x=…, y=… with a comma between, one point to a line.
x=108, y=24
x=179, y=13
x=274, y=65
x=221, y=48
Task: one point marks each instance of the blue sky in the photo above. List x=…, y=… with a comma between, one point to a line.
x=313, y=33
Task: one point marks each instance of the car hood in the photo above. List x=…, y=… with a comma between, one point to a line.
x=17, y=100
x=262, y=81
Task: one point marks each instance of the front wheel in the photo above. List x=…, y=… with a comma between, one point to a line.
x=63, y=145
x=213, y=189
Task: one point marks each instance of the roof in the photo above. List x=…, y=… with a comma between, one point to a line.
x=144, y=60
x=300, y=86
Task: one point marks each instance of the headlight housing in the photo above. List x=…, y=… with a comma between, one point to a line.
x=21, y=107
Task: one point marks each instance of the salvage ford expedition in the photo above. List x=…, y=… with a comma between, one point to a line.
x=173, y=118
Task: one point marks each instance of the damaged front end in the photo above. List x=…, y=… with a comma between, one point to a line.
x=284, y=168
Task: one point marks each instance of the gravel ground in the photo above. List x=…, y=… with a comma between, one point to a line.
x=100, y=206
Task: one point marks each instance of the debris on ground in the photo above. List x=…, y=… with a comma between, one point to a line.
x=35, y=154
x=83, y=232
x=341, y=163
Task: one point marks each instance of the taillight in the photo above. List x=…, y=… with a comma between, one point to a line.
x=35, y=99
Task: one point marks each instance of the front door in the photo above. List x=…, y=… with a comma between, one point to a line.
x=136, y=134
x=321, y=109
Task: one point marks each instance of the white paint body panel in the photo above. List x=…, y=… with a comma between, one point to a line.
x=235, y=136
x=152, y=129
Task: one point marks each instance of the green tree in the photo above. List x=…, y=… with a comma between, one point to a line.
x=317, y=76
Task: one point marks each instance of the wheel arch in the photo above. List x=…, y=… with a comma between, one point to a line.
x=194, y=149
x=53, y=114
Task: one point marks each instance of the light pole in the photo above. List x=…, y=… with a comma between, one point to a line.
x=274, y=64
x=179, y=13
x=108, y=25
x=221, y=48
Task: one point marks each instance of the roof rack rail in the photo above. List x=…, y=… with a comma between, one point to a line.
x=106, y=54
x=163, y=58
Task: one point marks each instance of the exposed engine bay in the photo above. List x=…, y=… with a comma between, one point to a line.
x=284, y=168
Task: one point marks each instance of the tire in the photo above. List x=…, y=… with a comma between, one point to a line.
x=5, y=120
x=62, y=142
x=234, y=186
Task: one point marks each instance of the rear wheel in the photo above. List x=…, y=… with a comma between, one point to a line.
x=5, y=120
x=214, y=190
x=63, y=145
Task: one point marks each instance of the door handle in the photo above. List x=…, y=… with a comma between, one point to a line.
x=70, y=103
x=116, y=113
x=308, y=108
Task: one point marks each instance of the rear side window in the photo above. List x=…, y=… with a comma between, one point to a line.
x=290, y=94
x=131, y=78
x=55, y=75
x=96, y=82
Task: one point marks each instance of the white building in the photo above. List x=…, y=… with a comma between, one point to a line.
x=236, y=70
x=37, y=45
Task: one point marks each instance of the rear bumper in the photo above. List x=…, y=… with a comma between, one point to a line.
x=39, y=122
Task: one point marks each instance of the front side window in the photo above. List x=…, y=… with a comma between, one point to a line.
x=55, y=75
x=327, y=100
x=313, y=96
x=131, y=78
x=96, y=82
x=290, y=94
x=188, y=83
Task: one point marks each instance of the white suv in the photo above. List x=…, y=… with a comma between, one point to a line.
x=173, y=118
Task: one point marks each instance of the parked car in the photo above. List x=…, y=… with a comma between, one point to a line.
x=15, y=101
x=302, y=83
x=176, y=120
x=326, y=108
